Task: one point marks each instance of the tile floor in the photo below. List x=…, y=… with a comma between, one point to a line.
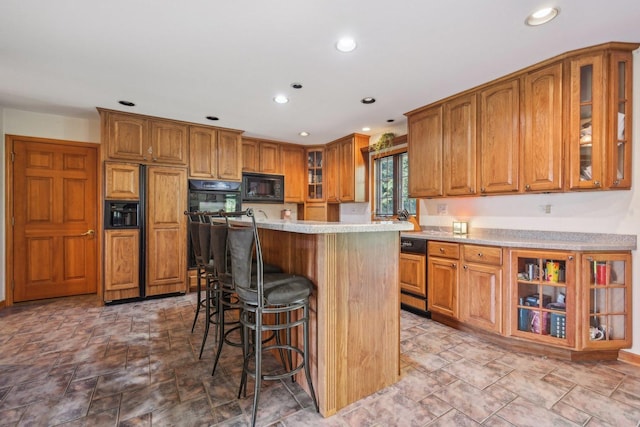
x=74, y=362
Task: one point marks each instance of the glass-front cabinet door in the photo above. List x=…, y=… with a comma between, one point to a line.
x=619, y=134
x=315, y=178
x=543, y=303
x=606, y=317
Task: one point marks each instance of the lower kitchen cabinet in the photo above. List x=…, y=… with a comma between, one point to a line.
x=569, y=304
x=413, y=281
x=442, y=273
x=122, y=266
x=481, y=287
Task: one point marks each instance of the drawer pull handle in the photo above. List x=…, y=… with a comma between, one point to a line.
x=479, y=254
x=441, y=250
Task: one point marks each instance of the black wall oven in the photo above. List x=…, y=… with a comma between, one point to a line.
x=212, y=196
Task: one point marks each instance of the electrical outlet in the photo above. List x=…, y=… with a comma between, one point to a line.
x=443, y=209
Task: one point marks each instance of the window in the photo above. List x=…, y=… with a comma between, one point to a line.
x=392, y=185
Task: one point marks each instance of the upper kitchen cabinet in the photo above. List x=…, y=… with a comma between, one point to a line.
x=599, y=117
x=541, y=165
x=315, y=181
x=346, y=169
x=215, y=153
x=498, y=137
x=292, y=167
x=260, y=156
x=122, y=181
x=143, y=139
x=424, y=138
x=459, y=139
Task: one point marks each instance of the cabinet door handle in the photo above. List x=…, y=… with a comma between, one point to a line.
x=453, y=265
x=441, y=250
x=570, y=258
x=596, y=183
x=465, y=266
x=482, y=189
x=616, y=182
x=527, y=187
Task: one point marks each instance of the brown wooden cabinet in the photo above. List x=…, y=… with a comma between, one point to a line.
x=166, y=231
x=413, y=280
x=481, y=287
x=215, y=154
x=315, y=175
x=605, y=315
x=424, y=137
x=499, y=137
x=122, y=264
x=122, y=181
x=599, y=118
x=541, y=167
x=346, y=170
x=459, y=141
x=292, y=167
x=143, y=139
x=261, y=156
x=332, y=172
x=442, y=278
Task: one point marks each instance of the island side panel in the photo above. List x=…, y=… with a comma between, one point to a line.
x=355, y=346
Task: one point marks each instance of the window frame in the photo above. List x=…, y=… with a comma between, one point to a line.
x=396, y=150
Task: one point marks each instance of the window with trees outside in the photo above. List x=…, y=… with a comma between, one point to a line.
x=392, y=185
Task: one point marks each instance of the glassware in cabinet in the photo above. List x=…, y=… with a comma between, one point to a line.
x=608, y=317
x=315, y=176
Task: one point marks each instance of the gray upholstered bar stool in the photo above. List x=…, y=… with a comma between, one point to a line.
x=268, y=295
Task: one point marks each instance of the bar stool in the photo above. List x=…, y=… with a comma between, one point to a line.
x=263, y=295
x=202, y=270
x=210, y=279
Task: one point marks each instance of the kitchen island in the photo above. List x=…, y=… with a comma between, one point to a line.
x=355, y=306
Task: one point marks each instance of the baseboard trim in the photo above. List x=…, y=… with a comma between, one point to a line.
x=628, y=357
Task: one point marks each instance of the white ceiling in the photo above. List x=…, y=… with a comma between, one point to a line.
x=191, y=58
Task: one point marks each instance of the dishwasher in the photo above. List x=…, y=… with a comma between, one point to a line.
x=413, y=275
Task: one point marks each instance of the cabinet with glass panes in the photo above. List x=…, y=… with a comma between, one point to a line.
x=607, y=311
x=599, y=122
x=315, y=180
x=543, y=304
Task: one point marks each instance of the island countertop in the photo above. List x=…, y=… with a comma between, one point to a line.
x=321, y=227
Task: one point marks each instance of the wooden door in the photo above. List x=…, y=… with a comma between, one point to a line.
x=55, y=217
x=293, y=170
x=481, y=296
x=442, y=286
x=166, y=230
x=498, y=138
x=202, y=152
x=250, y=156
x=459, y=135
x=425, y=148
x=269, y=153
x=543, y=126
x=168, y=142
x=229, y=155
x=332, y=172
x=127, y=136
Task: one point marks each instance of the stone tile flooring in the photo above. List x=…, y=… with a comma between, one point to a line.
x=74, y=362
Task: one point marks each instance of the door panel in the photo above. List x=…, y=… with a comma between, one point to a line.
x=54, y=207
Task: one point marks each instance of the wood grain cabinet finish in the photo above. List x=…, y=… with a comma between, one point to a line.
x=122, y=264
x=261, y=156
x=459, y=140
x=166, y=234
x=424, y=138
x=413, y=279
x=481, y=287
x=542, y=124
x=122, y=181
x=499, y=137
x=215, y=154
x=292, y=167
x=443, y=278
x=346, y=169
x=143, y=139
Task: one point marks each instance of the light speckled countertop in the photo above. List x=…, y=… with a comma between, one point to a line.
x=321, y=227
x=533, y=239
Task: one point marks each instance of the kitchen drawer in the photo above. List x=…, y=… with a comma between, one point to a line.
x=482, y=254
x=444, y=250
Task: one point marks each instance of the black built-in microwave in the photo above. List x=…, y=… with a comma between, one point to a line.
x=258, y=187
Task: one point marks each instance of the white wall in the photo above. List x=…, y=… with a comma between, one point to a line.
x=24, y=123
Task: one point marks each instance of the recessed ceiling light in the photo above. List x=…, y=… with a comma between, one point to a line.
x=368, y=100
x=304, y=133
x=281, y=99
x=212, y=118
x=296, y=85
x=346, y=44
x=366, y=129
x=542, y=16
x=127, y=103
x=390, y=120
